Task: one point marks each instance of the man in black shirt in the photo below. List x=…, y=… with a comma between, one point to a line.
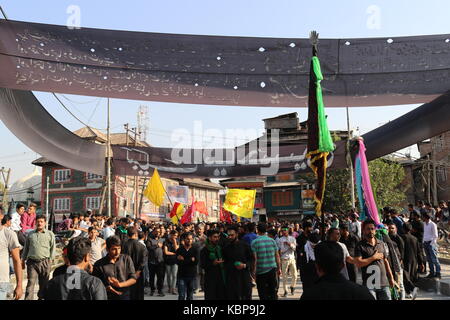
x=211, y=260
x=187, y=258
x=351, y=241
x=238, y=260
x=76, y=283
x=138, y=254
x=116, y=271
x=301, y=241
x=412, y=261
x=331, y=284
x=417, y=230
x=371, y=255
x=156, y=264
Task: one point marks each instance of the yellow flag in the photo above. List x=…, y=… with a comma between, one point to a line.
x=155, y=189
x=240, y=202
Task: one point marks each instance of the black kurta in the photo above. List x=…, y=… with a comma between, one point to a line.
x=238, y=282
x=214, y=283
x=411, y=260
x=138, y=253
x=351, y=242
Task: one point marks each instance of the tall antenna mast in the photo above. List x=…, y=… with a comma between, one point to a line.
x=143, y=122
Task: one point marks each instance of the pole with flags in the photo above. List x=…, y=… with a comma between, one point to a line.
x=320, y=143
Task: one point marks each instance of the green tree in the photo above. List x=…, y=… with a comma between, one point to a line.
x=386, y=178
x=337, y=192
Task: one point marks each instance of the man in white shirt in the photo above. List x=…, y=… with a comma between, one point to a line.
x=287, y=245
x=355, y=225
x=9, y=245
x=430, y=236
x=108, y=230
x=15, y=223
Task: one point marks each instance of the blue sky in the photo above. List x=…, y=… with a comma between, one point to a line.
x=264, y=18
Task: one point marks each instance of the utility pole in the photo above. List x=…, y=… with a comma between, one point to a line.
x=349, y=161
x=46, y=199
x=428, y=179
x=5, y=187
x=136, y=179
x=108, y=167
x=433, y=163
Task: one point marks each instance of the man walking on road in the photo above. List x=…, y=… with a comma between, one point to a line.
x=211, y=260
x=287, y=245
x=371, y=256
x=38, y=253
x=9, y=245
x=267, y=264
x=430, y=236
x=238, y=258
x=139, y=256
x=116, y=271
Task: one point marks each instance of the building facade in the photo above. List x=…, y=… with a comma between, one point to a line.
x=72, y=191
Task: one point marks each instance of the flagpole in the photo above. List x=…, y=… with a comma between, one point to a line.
x=349, y=161
x=108, y=163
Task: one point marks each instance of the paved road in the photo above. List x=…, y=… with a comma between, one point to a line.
x=422, y=295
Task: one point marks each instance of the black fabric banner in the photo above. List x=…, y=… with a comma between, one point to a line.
x=218, y=70
x=218, y=163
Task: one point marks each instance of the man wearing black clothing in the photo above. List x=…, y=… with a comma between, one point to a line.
x=138, y=254
x=412, y=261
x=331, y=284
x=351, y=241
x=301, y=241
x=116, y=271
x=211, y=260
x=372, y=254
x=187, y=258
x=417, y=230
x=122, y=231
x=238, y=259
x=76, y=283
x=156, y=264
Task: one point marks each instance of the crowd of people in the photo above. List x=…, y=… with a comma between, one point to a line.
x=337, y=257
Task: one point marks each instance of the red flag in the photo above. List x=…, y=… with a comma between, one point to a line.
x=187, y=217
x=200, y=207
x=225, y=215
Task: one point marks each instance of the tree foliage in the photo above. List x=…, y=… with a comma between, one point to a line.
x=386, y=178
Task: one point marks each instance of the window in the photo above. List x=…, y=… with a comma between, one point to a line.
x=61, y=175
x=61, y=204
x=282, y=198
x=441, y=173
x=92, y=203
x=439, y=144
x=91, y=176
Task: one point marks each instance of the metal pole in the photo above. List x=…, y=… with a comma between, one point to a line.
x=108, y=172
x=429, y=179
x=46, y=199
x=5, y=189
x=349, y=162
x=433, y=163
